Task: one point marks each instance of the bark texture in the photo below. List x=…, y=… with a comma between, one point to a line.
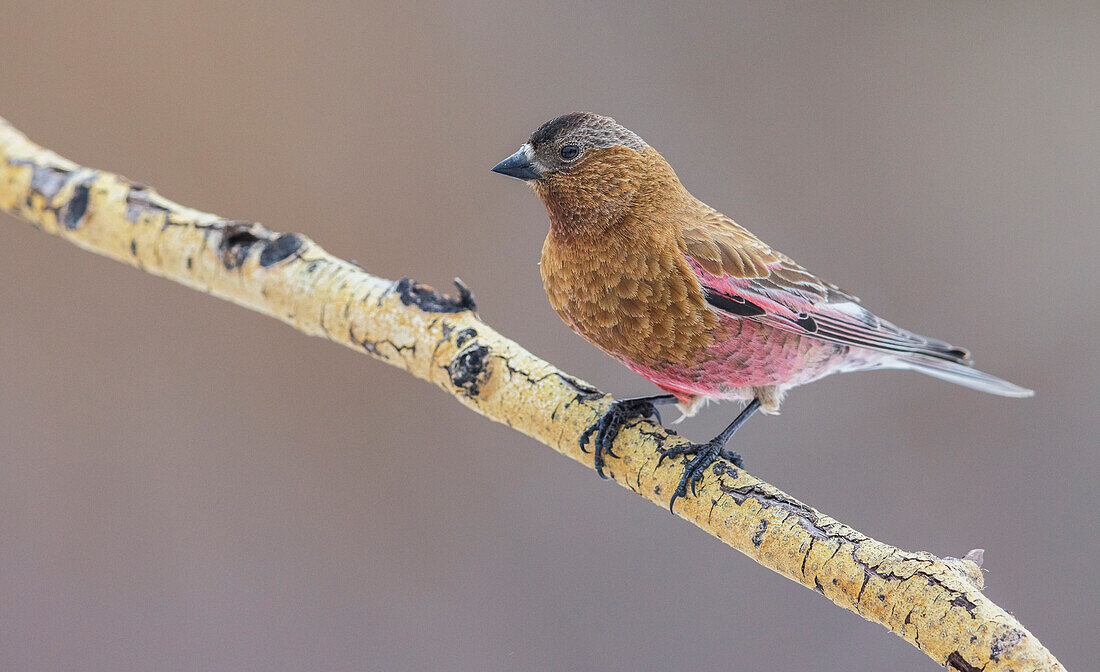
x=934, y=603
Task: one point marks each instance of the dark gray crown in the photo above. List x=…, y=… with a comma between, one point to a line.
x=590, y=129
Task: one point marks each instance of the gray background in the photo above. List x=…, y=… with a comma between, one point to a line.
x=186, y=485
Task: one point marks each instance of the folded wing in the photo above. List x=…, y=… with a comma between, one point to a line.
x=742, y=276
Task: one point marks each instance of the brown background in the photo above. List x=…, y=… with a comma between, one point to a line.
x=186, y=485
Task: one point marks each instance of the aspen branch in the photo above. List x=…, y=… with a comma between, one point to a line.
x=935, y=604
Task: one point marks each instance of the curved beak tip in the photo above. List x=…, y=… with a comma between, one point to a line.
x=517, y=166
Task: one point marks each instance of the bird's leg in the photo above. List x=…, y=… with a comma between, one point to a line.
x=609, y=424
x=707, y=453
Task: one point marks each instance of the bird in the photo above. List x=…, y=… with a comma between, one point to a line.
x=689, y=299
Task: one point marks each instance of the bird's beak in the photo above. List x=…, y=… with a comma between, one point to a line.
x=518, y=166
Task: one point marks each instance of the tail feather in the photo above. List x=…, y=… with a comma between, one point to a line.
x=961, y=374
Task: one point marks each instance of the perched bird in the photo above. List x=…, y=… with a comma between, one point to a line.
x=684, y=296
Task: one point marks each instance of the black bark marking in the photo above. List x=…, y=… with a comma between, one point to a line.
x=584, y=391
x=469, y=369
x=867, y=572
x=237, y=239
x=235, y=247
x=133, y=247
x=818, y=587
x=48, y=180
x=447, y=330
x=426, y=298
x=721, y=468
x=916, y=630
x=811, y=521
x=464, y=336
x=279, y=249
x=1003, y=643
x=807, y=556
x=138, y=203
x=964, y=602
x=375, y=347
x=768, y=498
x=76, y=208
x=955, y=661
x=758, y=537
x=368, y=346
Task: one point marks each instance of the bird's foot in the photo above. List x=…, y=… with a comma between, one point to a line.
x=606, y=429
x=705, y=455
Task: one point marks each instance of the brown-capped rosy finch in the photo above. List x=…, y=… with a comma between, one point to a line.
x=682, y=295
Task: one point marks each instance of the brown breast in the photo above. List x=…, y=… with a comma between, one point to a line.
x=630, y=292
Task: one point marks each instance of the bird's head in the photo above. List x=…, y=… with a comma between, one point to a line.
x=586, y=168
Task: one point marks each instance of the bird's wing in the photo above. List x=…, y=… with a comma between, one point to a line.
x=743, y=277
x=723, y=248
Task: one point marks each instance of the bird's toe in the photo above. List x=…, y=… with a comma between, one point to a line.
x=606, y=429
x=732, y=457
x=695, y=470
x=676, y=451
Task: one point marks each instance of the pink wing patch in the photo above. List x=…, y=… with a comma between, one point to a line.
x=792, y=299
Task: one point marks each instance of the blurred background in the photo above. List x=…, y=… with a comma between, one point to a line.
x=169, y=500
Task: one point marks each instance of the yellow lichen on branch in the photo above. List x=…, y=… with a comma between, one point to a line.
x=935, y=604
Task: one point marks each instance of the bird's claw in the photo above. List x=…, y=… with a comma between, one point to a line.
x=610, y=423
x=705, y=455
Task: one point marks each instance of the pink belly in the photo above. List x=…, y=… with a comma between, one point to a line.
x=748, y=354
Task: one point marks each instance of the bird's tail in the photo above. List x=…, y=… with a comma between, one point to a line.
x=961, y=374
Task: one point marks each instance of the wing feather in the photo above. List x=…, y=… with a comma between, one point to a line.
x=723, y=248
x=743, y=277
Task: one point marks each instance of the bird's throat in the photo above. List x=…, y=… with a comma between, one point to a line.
x=574, y=212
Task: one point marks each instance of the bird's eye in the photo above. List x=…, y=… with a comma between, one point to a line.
x=570, y=152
